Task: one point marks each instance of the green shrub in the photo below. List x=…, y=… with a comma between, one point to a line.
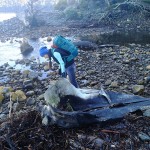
x=72, y=13
x=61, y=5
x=83, y=4
x=32, y=21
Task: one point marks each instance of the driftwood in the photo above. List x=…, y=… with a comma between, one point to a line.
x=87, y=45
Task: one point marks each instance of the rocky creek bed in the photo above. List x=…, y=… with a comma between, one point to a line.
x=118, y=68
x=124, y=68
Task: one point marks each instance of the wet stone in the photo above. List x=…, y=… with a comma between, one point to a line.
x=114, y=84
x=148, y=67
x=46, y=68
x=108, y=82
x=3, y=116
x=147, y=113
x=138, y=89
x=144, y=136
x=28, y=84
x=93, y=83
x=6, y=111
x=33, y=75
x=147, y=79
x=30, y=93
x=30, y=101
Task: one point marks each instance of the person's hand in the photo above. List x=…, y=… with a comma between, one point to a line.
x=64, y=75
x=50, y=65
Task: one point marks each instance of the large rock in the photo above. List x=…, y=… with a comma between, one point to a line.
x=85, y=45
x=3, y=92
x=26, y=48
x=18, y=95
x=5, y=89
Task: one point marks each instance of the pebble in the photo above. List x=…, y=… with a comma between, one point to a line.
x=147, y=113
x=30, y=93
x=3, y=116
x=30, y=101
x=114, y=84
x=144, y=136
x=148, y=67
x=138, y=89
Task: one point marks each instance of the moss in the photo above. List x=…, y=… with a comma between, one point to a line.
x=18, y=95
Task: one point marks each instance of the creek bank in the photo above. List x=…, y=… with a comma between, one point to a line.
x=123, y=23
x=98, y=35
x=119, y=26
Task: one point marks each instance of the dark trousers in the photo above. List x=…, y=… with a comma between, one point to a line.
x=71, y=73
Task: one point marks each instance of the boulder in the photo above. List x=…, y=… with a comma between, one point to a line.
x=86, y=45
x=5, y=89
x=18, y=95
x=26, y=48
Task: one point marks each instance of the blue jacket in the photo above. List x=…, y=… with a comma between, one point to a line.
x=60, y=56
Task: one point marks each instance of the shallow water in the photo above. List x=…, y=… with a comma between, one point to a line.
x=10, y=50
x=6, y=16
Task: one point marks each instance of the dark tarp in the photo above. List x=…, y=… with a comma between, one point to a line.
x=96, y=110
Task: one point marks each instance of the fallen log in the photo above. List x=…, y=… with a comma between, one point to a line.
x=87, y=45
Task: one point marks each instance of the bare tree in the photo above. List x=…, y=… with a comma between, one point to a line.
x=30, y=12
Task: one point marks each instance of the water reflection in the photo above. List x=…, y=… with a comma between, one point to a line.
x=10, y=50
x=10, y=53
x=6, y=16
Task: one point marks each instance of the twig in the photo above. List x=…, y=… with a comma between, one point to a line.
x=35, y=120
x=110, y=131
x=23, y=131
x=10, y=142
x=10, y=105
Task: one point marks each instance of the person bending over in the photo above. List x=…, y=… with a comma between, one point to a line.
x=60, y=56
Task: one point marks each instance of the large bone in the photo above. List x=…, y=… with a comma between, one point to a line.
x=62, y=88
